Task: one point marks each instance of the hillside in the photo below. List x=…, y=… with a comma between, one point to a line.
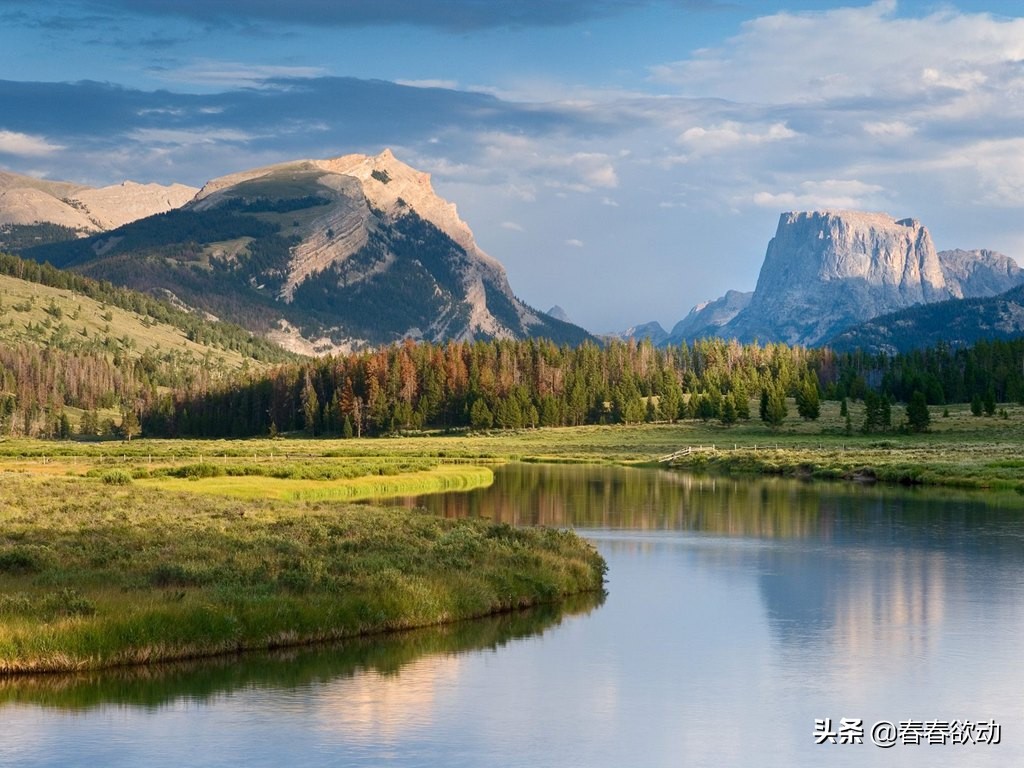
x=955, y=322
x=320, y=255
x=49, y=309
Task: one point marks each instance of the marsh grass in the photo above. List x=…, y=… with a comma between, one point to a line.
x=959, y=450
x=201, y=680
x=93, y=575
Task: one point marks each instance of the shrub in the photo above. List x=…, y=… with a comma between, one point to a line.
x=116, y=477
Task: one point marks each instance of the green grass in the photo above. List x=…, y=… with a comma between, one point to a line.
x=960, y=450
x=94, y=575
x=60, y=317
x=416, y=483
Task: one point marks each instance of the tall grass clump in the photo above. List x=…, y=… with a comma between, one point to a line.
x=94, y=576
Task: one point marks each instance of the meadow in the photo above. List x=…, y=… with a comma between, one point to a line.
x=97, y=573
x=958, y=450
x=115, y=553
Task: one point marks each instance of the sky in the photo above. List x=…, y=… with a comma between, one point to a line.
x=624, y=159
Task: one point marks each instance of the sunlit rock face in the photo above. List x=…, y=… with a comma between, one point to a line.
x=827, y=270
x=976, y=273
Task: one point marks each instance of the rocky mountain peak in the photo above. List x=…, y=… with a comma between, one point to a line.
x=897, y=256
x=393, y=187
x=828, y=270
x=335, y=254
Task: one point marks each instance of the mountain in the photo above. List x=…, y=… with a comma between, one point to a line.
x=651, y=330
x=979, y=273
x=708, y=317
x=826, y=271
x=957, y=322
x=27, y=203
x=320, y=255
x=559, y=314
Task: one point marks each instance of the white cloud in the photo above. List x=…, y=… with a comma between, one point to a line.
x=541, y=160
x=854, y=53
x=26, y=145
x=893, y=129
x=732, y=135
x=446, y=84
x=574, y=243
x=236, y=74
x=187, y=138
x=512, y=225
x=816, y=195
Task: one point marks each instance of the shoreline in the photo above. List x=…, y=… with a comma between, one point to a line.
x=94, y=576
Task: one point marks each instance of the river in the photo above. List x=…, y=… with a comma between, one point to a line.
x=744, y=621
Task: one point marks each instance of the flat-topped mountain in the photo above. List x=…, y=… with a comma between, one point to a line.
x=826, y=271
x=28, y=202
x=321, y=255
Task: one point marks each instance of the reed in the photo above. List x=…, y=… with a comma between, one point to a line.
x=94, y=575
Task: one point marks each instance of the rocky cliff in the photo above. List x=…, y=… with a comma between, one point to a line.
x=826, y=271
x=27, y=201
x=978, y=273
x=708, y=317
x=322, y=255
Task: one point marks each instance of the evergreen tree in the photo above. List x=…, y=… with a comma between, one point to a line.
x=129, y=424
x=480, y=416
x=773, y=405
x=918, y=417
x=310, y=406
x=872, y=412
x=989, y=402
x=64, y=428
x=729, y=410
x=976, y=405
x=652, y=410
x=885, y=413
x=807, y=400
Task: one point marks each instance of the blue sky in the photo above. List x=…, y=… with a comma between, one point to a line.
x=625, y=159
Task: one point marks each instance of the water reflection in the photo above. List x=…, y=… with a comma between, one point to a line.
x=408, y=657
x=852, y=569
x=738, y=612
x=651, y=500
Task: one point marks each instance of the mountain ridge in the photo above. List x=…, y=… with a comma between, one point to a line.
x=325, y=255
x=827, y=271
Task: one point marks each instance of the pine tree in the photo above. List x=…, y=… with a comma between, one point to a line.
x=129, y=424
x=918, y=417
x=773, y=405
x=807, y=401
x=310, y=406
x=728, y=410
x=480, y=416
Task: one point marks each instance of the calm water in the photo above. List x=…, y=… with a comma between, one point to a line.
x=737, y=613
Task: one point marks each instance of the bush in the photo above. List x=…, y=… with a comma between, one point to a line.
x=18, y=561
x=116, y=477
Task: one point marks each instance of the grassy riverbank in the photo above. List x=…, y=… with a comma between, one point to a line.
x=959, y=450
x=96, y=574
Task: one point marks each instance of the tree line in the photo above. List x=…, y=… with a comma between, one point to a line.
x=495, y=384
x=535, y=383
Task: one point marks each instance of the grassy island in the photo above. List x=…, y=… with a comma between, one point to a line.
x=101, y=571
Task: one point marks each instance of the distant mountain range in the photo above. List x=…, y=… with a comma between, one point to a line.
x=355, y=251
x=826, y=273
x=957, y=322
x=319, y=255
